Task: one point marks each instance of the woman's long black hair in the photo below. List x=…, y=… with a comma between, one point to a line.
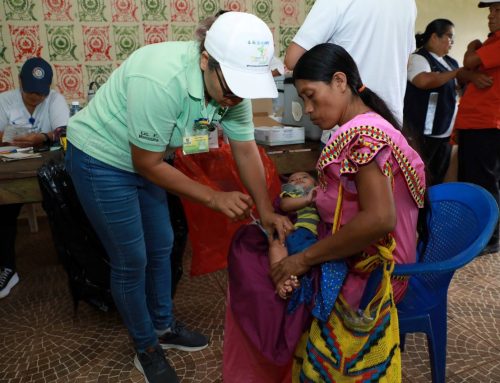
x=320, y=64
x=322, y=61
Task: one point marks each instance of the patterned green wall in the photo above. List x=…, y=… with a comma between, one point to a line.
x=85, y=40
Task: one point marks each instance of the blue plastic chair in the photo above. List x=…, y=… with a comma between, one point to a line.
x=461, y=221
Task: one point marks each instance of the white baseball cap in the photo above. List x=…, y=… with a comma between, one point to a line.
x=243, y=45
x=487, y=3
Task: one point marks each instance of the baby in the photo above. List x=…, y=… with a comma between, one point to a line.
x=297, y=196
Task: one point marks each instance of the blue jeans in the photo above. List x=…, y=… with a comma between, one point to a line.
x=130, y=215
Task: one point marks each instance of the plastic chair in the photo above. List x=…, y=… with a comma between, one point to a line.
x=461, y=221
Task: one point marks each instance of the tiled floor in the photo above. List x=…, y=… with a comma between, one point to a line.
x=41, y=340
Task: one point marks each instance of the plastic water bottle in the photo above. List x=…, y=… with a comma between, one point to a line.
x=92, y=89
x=75, y=108
x=279, y=102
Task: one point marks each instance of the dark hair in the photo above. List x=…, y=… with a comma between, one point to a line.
x=438, y=26
x=320, y=64
x=201, y=30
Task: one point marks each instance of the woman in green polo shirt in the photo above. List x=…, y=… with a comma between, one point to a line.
x=154, y=102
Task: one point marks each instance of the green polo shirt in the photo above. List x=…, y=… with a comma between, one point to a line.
x=149, y=101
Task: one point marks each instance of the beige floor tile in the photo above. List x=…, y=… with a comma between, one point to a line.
x=42, y=340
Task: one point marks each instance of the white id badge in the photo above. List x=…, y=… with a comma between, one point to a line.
x=196, y=140
x=195, y=144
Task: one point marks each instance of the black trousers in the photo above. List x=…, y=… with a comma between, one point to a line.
x=436, y=153
x=8, y=233
x=479, y=162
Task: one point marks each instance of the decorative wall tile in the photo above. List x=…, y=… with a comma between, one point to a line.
x=91, y=10
x=3, y=50
x=70, y=81
x=96, y=43
x=124, y=10
x=308, y=5
x=207, y=8
x=6, y=79
x=61, y=43
x=98, y=73
x=57, y=10
x=263, y=9
x=235, y=5
x=155, y=33
x=154, y=10
x=182, y=10
x=289, y=12
x=286, y=35
x=126, y=40
x=76, y=37
x=182, y=32
x=21, y=10
x=25, y=41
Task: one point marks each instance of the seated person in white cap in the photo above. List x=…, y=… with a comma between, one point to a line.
x=165, y=96
x=37, y=111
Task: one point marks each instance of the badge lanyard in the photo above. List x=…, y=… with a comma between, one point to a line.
x=203, y=133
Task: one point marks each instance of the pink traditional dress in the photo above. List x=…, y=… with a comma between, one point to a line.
x=366, y=138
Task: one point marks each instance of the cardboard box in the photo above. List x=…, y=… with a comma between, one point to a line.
x=262, y=106
x=279, y=135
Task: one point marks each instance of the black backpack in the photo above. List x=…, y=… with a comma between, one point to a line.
x=79, y=249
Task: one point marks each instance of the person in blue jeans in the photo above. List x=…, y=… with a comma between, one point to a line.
x=153, y=102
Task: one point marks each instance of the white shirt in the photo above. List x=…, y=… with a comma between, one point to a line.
x=418, y=64
x=378, y=34
x=50, y=114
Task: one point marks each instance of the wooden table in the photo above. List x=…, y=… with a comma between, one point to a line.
x=290, y=158
x=19, y=183
x=18, y=179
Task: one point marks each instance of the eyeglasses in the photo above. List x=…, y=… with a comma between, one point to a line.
x=451, y=36
x=226, y=92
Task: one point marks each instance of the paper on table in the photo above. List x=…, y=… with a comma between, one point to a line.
x=19, y=156
x=12, y=131
x=8, y=149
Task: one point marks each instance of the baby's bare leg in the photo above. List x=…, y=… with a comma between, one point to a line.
x=277, y=252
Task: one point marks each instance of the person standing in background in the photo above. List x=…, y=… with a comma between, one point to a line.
x=43, y=110
x=478, y=117
x=435, y=82
x=379, y=35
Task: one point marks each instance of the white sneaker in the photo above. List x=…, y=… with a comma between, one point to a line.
x=8, y=279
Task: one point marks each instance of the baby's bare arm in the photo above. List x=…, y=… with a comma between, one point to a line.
x=288, y=204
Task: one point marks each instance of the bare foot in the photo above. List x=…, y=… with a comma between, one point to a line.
x=286, y=290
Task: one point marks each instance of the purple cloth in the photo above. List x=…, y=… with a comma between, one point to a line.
x=260, y=312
